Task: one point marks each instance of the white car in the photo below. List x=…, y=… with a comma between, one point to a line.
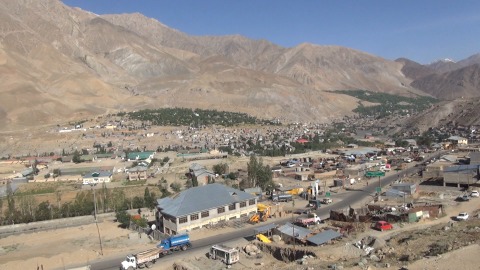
x=474, y=194
x=462, y=216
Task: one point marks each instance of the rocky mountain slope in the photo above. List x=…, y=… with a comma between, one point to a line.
x=445, y=79
x=60, y=63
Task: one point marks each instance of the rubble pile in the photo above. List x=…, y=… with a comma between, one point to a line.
x=286, y=254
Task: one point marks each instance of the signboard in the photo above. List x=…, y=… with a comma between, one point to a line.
x=374, y=174
x=327, y=194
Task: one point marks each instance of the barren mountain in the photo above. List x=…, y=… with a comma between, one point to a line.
x=460, y=111
x=414, y=70
x=60, y=63
x=463, y=82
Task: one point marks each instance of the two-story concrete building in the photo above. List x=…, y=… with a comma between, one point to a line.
x=137, y=173
x=457, y=140
x=97, y=177
x=199, y=206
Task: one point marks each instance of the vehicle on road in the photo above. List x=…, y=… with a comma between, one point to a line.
x=310, y=219
x=474, y=193
x=382, y=226
x=463, y=198
x=315, y=204
x=174, y=243
x=281, y=197
x=225, y=254
x=145, y=258
x=462, y=216
x=327, y=201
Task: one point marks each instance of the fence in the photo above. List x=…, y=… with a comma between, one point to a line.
x=152, y=234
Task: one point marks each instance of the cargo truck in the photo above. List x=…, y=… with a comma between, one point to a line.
x=310, y=219
x=145, y=258
x=174, y=243
x=281, y=197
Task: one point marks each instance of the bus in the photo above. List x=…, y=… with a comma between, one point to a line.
x=226, y=254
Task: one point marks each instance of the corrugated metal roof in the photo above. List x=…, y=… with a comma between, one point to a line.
x=324, y=237
x=461, y=168
x=265, y=228
x=201, y=198
x=300, y=232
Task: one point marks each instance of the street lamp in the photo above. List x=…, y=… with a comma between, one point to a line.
x=95, y=215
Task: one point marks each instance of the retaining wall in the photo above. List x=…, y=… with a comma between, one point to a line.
x=46, y=225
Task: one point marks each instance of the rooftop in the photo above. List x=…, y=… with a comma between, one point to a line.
x=201, y=198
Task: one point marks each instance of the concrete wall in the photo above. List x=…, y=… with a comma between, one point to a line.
x=460, y=178
x=52, y=224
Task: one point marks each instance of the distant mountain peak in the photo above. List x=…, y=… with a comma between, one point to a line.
x=444, y=60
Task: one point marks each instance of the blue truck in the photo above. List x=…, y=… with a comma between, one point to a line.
x=174, y=243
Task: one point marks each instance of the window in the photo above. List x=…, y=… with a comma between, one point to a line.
x=182, y=220
x=232, y=207
x=251, y=202
x=243, y=204
x=193, y=217
x=205, y=214
x=221, y=209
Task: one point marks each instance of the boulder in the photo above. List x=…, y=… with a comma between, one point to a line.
x=378, y=243
x=374, y=258
x=276, y=238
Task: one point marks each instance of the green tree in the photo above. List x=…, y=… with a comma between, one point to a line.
x=401, y=143
x=10, y=215
x=175, y=186
x=252, y=172
x=76, y=157
x=44, y=211
x=220, y=168
x=194, y=181
x=138, y=202
x=149, y=199
x=189, y=183
x=123, y=218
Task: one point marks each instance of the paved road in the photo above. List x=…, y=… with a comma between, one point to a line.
x=354, y=196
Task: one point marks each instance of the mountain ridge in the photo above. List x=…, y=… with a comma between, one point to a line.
x=62, y=63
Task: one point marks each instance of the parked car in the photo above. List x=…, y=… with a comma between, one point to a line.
x=462, y=216
x=464, y=198
x=474, y=194
x=382, y=226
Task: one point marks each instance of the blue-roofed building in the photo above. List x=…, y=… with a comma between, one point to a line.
x=199, y=206
x=324, y=237
x=288, y=232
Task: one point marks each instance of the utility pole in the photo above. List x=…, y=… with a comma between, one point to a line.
x=379, y=188
x=293, y=229
x=96, y=221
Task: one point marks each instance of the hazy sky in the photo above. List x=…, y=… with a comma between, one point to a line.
x=421, y=30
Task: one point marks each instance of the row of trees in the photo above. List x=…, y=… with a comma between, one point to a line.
x=25, y=208
x=197, y=117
